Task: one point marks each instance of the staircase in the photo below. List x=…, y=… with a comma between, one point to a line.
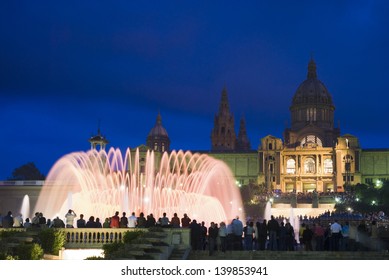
x=179, y=253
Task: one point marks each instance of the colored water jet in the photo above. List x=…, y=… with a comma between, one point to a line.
x=99, y=183
x=25, y=208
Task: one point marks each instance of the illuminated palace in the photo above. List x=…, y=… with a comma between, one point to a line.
x=313, y=155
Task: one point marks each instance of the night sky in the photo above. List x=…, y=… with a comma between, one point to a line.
x=66, y=66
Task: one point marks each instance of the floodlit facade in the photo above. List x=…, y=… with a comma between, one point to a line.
x=313, y=154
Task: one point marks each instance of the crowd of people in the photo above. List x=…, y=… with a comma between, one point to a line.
x=71, y=220
x=10, y=221
x=330, y=231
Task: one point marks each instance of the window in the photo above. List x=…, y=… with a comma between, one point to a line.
x=270, y=158
x=348, y=178
x=311, y=141
x=347, y=162
x=328, y=166
x=309, y=166
x=291, y=166
x=311, y=114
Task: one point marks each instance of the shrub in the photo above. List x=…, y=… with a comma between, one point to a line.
x=52, y=240
x=130, y=236
x=29, y=252
x=110, y=250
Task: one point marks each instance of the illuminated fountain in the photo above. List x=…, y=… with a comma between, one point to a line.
x=99, y=183
x=291, y=216
x=267, y=213
x=25, y=208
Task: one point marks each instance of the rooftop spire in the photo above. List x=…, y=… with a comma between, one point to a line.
x=98, y=127
x=159, y=118
x=224, y=105
x=311, y=69
x=243, y=142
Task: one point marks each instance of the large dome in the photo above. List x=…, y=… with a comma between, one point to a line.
x=158, y=129
x=312, y=90
x=312, y=113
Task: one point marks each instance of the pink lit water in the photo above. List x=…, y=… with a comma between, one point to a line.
x=99, y=183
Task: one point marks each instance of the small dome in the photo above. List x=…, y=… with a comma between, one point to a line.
x=158, y=129
x=312, y=90
x=98, y=138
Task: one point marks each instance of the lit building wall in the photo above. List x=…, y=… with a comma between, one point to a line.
x=374, y=166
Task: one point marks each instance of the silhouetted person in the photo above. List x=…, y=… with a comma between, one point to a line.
x=262, y=235
x=185, y=221
x=273, y=228
x=213, y=233
x=175, y=222
x=81, y=222
x=150, y=221
x=8, y=220
x=307, y=237
x=123, y=221
x=141, y=221
x=91, y=222
x=58, y=223
x=195, y=235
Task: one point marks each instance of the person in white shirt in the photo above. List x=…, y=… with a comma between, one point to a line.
x=18, y=221
x=132, y=220
x=336, y=231
x=69, y=217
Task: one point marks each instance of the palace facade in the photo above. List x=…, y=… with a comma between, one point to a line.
x=313, y=154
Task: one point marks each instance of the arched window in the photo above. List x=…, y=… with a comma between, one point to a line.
x=311, y=141
x=328, y=166
x=291, y=166
x=309, y=166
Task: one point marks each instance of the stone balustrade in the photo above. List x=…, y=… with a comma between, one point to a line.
x=95, y=238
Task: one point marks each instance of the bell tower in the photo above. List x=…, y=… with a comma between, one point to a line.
x=223, y=135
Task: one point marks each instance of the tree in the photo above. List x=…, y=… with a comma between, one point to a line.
x=26, y=172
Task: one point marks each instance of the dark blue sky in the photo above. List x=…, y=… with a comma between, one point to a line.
x=66, y=65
